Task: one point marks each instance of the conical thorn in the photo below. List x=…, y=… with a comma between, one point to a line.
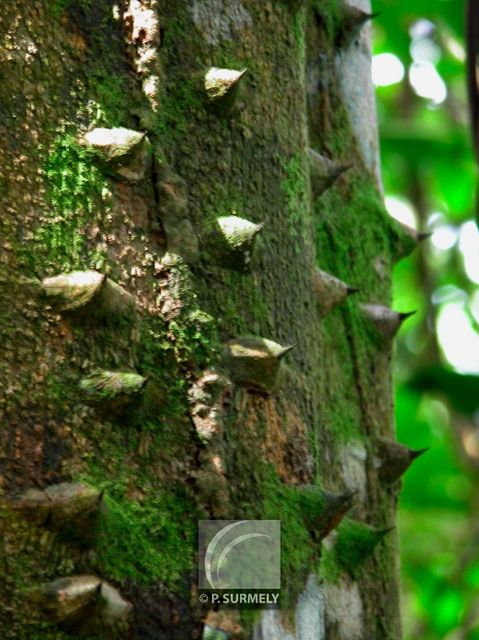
x=353, y=20
x=423, y=235
x=393, y=459
x=85, y=603
x=418, y=452
x=386, y=321
x=127, y=151
x=80, y=289
x=355, y=542
x=404, y=315
x=66, y=598
x=323, y=511
x=232, y=241
x=112, y=389
x=255, y=363
x=324, y=172
x=280, y=355
x=329, y=291
x=63, y=507
x=221, y=86
x=405, y=239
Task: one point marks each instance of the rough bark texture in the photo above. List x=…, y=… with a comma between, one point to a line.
x=186, y=437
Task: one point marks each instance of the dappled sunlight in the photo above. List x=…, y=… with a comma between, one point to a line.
x=444, y=237
x=387, y=69
x=427, y=82
x=401, y=210
x=459, y=342
x=469, y=247
x=429, y=178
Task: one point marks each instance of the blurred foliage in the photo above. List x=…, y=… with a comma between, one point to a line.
x=429, y=179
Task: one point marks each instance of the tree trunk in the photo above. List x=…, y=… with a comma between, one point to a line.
x=139, y=291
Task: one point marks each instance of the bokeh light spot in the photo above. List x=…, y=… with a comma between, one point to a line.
x=387, y=69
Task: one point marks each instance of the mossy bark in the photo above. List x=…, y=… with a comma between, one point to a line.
x=193, y=441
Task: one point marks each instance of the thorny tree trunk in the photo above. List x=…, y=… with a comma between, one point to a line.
x=130, y=388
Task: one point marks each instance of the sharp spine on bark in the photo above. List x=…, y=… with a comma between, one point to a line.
x=353, y=20
x=114, y=143
x=418, y=236
x=127, y=151
x=324, y=172
x=221, y=87
x=66, y=597
x=63, y=507
x=75, y=290
x=69, y=291
x=73, y=504
x=234, y=241
x=323, y=511
x=255, y=363
x=386, y=321
x=112, y=387
x=33, y=504
x=355, y=542
x=85, y=603
x=406, y=239
x=393, y=459
x=330, y=291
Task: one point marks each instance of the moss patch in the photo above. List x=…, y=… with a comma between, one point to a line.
x=330, y=13
x=74, y=186
x=362, y=260
x=295, y=188
x=57, y=7
x=110, y=90
x=354, y=545
x=154, y=540
x=298, y=553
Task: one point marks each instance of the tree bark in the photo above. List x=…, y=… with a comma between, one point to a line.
x=124, y=379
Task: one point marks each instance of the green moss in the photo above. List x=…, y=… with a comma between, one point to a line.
x=402, y=244
x=45, y=631
x=74, y=186
x=298, y=552
x=367, y=211
x=109, y=90
x=329, y=10
x=193, y=338
x=296, y=189
x=299, y=23
x=183, y=104
x=351, y=244
x=350, y=229
x=177, y=107
x=57, y=7
x=154, y=540
x=354, y=545
x=333, y=14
